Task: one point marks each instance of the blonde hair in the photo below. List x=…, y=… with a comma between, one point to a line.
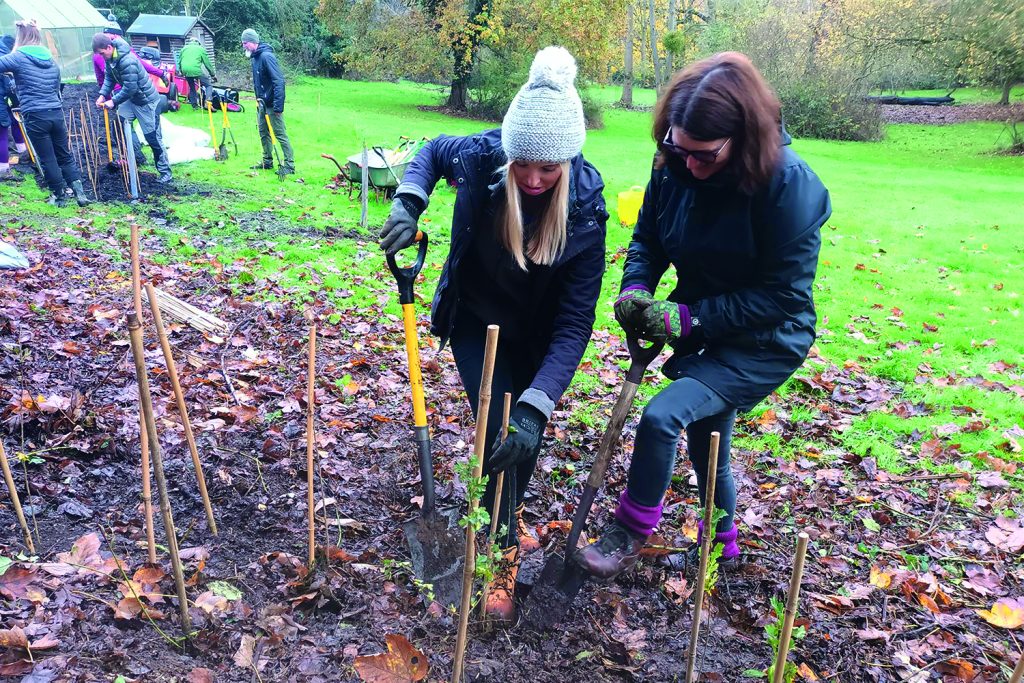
x=548, y=240
x=28, y=33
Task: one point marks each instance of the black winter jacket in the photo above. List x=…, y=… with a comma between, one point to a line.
x=126, y=70
x=563, y=295
x=37, y=77
x=267, y=78
x=745, y=266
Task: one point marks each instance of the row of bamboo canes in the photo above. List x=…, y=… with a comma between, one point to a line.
x=82, y=125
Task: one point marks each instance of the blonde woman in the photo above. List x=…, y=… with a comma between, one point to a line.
x=527, y=253
x=37, y=78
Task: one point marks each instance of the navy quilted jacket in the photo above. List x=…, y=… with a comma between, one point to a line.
x=37, y=77
x=127, y=71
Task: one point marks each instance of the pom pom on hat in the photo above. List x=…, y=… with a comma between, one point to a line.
x=545, y=120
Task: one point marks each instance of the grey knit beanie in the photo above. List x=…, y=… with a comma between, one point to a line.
x=545, y=120
x=250, y=36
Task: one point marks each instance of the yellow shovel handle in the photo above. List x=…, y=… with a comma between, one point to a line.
x=270, y=127
x=213, y=136
x=106, y=124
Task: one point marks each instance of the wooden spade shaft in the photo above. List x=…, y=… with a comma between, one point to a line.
x=310, y=438
x=179, y=397
x=135, y=335
x=791, y=606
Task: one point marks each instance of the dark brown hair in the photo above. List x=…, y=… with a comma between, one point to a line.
x=101, y=41
x=724, y=96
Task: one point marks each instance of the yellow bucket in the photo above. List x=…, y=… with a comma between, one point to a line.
x=629, y=205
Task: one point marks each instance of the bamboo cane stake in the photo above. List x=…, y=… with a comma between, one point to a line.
x=119, y=140
x=147, y=491
x=87, y=143
x=179, y=398
x=15, y=500
x=135, y=335
x=483, y=406
x=705, y=551
x=184, y=312
x=791, y=606
x=1018, y=672
x=310, y=401
x=499, y=484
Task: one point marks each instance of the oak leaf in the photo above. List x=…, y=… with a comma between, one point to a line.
x=1005, y=613
x=402, y=663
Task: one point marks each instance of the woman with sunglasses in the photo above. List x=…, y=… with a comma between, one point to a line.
x=737, y=214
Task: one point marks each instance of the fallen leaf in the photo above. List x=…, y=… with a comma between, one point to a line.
x=927, y=601
x=210, y=602
x=402, y=663
x=961, y=668
x=128, y=608
x=806, y=672
x=243, y=656
x=869, y=634
x=1005, y=613
x=13, y=638
x=880, y=579
x=199, y=675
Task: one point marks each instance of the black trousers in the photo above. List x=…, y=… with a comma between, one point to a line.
x=49, y=136
x=514, y=370
x=194, y=84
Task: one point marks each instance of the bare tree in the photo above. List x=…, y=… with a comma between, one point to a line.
x=655, y=60
x=627, y=60
x=197, y=8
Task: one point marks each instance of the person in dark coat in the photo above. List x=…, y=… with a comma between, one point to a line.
x=737, y=214
x=527, y=253
x=9, y=99
x=137, y=99
x=268, y=83
x=37, y=78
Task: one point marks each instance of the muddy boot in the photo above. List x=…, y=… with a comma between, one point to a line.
x=527, y=541
x=263, y=166
x=617, y=550
x=57, y=200
x=80, y=195
x=501, y=604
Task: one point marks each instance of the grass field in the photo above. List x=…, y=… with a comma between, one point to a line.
x=976, y=95
x=920, y=273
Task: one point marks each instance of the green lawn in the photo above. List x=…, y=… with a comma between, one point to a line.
x=927, y=232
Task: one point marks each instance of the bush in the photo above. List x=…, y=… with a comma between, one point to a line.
x=814, y=108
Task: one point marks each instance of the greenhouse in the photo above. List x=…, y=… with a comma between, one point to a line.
x=67, y=25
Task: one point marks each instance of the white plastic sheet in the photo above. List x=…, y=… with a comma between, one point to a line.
x=11, y=258
x=181, y=142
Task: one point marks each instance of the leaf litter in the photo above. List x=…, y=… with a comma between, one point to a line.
x=904, y=583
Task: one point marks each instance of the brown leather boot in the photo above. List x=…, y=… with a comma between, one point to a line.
x=617, y=550
x=501, y=605
x=527, y=541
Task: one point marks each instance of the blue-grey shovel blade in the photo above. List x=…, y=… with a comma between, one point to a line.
x=437, y=547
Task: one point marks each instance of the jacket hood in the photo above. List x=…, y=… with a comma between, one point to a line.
x=263, y=47
x=39, y=55
x=6, y=44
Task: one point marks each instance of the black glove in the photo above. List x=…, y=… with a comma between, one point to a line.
x=525, y=429
x=399, y=229
x=213, y=79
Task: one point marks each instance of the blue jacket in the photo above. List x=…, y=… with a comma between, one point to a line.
x=745, y=266
x=127, y=71
x=37, y=77
x=563, y=294
x=6, y=44
x=267, y=78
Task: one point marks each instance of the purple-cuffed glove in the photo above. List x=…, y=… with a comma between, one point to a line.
x=665, y=322
x=630, y=306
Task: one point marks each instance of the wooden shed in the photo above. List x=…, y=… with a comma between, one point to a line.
x=169, y=34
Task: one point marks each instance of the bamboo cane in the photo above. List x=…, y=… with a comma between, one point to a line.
x=1018, y=672
x=179, y=397
x=15, y=500
x=791, y=606
x=147, y=491
x=705, y=551
x=135, y=335
x=499, y=484
x=483, y=406
x=87, y=152
x=310, y=401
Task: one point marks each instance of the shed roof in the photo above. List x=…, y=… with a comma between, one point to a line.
x=58, y=13
x=175, y=26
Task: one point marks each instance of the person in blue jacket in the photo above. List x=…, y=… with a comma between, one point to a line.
x=527, y=253
x=737, y=214
x=37, y=78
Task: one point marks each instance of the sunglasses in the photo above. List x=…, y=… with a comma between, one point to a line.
x=702, y=156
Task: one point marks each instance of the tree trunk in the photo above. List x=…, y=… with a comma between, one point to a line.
x=711, y=11
x=655, y=60
x=458, y=98
x=465, y=58
x=671, y=25
x=1007, y=86
x=627, y=60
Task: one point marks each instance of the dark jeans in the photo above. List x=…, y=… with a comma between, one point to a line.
x=194, y=83
x=49, y=136
x=514, y=371
x=690, y=405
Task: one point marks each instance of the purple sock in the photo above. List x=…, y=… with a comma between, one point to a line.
x=640, y=519
x=727, y=538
